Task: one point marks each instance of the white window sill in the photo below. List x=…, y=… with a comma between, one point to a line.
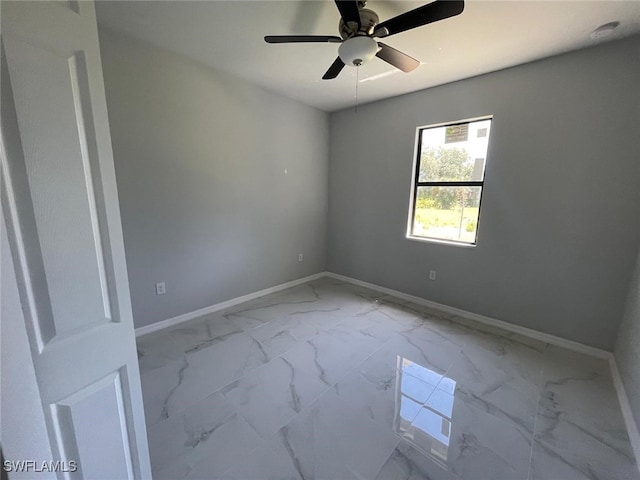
x=440, y=242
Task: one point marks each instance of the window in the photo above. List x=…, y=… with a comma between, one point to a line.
x=448, y=181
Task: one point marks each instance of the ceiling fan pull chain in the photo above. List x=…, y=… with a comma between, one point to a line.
x=357, y=72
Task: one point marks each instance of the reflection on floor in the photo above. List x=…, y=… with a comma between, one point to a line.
x=329, y=380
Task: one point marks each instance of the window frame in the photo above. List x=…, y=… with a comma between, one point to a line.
x=415, y=183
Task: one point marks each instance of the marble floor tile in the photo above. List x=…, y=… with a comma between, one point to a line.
x=251, y=318
x=270, y=396
x=275, y=337
x=456, y=331
x=330, y=380
x=167, y=444
x=433, y=357
x=204, y=441
x=276, y=306
x=438, y=349
x=305, y=323
x=399, y=309
x=577, y=386
x=564, y=450
x=348, y=323
x=408, y=463
x=491, y=331
x=223, y=446
x=177, y=469
x=158, y=386
x=351, y=299
x=394, y=318
x=390, y=400
x=200, y=333
x=157, y=350
x=329, y=356
x=503, y=381
x=331, y=440
x=470, y=443
x=264, y=463
x=580, y=431
x=171, y=389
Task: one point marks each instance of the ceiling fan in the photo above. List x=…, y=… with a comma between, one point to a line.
x=359, y=27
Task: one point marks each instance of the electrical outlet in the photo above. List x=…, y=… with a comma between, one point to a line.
x=300, y=257
x=432, y=274
x=161, y=288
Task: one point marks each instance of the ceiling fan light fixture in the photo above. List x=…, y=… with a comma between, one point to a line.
x=357, y=50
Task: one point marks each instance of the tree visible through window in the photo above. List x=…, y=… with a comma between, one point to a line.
x=449, y=178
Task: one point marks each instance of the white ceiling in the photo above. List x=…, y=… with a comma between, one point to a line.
x=487, y=36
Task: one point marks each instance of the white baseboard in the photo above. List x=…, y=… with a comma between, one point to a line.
x=544, y=337
x=527, y=332
x=170, y=322
x=625, y=406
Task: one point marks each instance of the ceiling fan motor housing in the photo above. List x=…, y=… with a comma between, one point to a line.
x=368, y=20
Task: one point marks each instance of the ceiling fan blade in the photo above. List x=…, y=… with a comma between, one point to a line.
x=400, y=60
x=302, y=39
x=349, y=11
x=432, y=12
x=335, y=68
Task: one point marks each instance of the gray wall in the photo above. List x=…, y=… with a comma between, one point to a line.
x=200, y=161
x=558, y=228
x=627, y=349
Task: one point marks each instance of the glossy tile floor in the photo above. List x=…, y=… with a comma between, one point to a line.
x=328, y=380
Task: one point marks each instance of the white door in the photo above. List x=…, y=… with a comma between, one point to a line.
x=61, y=207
